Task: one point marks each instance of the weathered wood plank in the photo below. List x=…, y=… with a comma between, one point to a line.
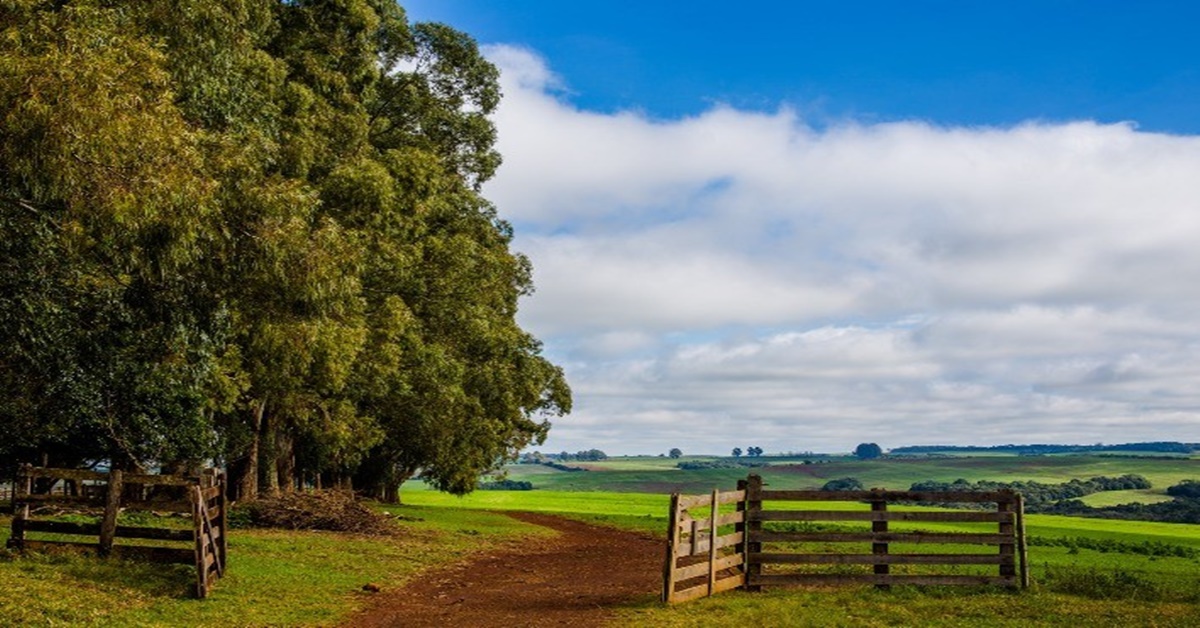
x=879, y=537
x=691, y=501
x=890, y=515
x=701, y=569
x=1022, y=549
x=812, y=579
x=699, y=591
x=691, y=549
x=149, y=479
x=134, y=552
x=66, y=474
x=780, y=558
x=891, y=496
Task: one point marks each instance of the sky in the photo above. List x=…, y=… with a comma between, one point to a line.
x=806, y=225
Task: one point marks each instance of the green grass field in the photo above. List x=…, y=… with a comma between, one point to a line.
x=1086, y=571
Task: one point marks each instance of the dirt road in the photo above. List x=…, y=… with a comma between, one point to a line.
x=576, y=579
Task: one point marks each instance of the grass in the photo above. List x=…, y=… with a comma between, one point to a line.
x=1086, y=571
x=275, y=578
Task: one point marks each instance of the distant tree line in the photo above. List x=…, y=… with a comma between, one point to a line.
x=1169, y=447
x=506, y=485
x=1039, y=496
x=695, y=465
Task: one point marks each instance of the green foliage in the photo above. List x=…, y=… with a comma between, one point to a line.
x=252, y=230
x=843, y=484
x=867, y=451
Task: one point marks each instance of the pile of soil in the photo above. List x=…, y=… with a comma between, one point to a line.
x=333, y=510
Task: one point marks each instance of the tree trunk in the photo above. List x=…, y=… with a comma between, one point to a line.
x=286, y=462
x=269, y=457
x=248, y=467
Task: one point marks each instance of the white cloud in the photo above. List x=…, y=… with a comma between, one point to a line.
x=743, y=274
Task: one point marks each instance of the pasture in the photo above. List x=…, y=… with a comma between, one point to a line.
x=1085, y=571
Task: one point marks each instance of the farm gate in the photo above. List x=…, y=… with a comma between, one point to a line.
x=709, y=551
x=203, y=497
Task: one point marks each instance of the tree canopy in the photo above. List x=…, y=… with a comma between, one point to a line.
x=251, y=231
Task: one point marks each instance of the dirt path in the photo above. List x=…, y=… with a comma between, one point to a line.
x=574, y=579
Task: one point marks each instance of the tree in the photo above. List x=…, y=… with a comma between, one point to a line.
x=754, y=452
x=252, y=230
x=737, y=452
x=867, y=451
x=675, y=452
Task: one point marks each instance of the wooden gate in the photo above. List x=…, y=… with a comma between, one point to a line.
x=203, y=497
x=780, y=545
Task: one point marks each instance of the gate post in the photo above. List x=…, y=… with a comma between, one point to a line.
x=740, y=527
x=1008, y=568
x=753, y=525
x=112, y=507
x=672, y=549
x=21, y=491
x=880, y=549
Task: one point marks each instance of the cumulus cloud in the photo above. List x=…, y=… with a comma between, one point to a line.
x=744, y=274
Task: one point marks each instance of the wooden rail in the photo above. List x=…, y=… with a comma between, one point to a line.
x=115, y=491
x=800, y=541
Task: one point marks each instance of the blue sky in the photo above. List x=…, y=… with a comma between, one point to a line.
x=801, y=226
x=948, y=62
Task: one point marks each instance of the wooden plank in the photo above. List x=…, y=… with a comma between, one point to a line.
x=730, y=517
x=691, y=593
x=871, y=537
x=66, y=474
x=891, y=496
x=702, y=545
x=779, y=558
x=691, y=501
x=112, y=507
x=63, y=527
x=148, y=505
x=729, y=583
x=210, y=492
x=57, y=498
x=150, y=479
x=865, y=579
x=672, y=557
x=130, y=552
x=122, y=532
x=890, y=515
x=701, y=569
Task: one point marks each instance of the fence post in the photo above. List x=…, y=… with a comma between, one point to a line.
x=222, y=523
x=753, y=524
x=1007, y=548
x=112, y=507
x=672, y=549
x=712, y=542
x=880, y=549
x=196, y=494
x=22, y=488
x=740, y=527
x=1021, y=547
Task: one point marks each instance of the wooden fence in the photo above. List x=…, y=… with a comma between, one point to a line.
x=805, y=546
x=202, y=497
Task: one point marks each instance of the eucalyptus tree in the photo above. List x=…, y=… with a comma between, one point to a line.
x=252, y=230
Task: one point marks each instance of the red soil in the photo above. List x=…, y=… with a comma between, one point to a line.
x=577, y=578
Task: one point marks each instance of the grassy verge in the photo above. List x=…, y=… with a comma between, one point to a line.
x=275, y=578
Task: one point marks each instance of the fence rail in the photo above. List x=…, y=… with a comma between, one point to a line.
x=701, y=561
x=202, y=496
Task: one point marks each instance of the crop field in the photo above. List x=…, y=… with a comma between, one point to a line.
x=661, y=475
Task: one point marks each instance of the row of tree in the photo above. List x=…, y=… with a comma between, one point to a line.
x=250, y=231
